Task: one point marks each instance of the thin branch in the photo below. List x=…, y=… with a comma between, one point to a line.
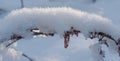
x=108, y=36
x=26, y=56
x=13, y=41
x=22, y=3
x=14, y=38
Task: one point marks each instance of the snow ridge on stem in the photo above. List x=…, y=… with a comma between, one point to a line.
x=26, y=22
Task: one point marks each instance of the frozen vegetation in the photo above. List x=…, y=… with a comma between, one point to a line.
x=59, y=19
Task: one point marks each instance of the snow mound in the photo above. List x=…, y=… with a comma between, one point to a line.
x=54, y=20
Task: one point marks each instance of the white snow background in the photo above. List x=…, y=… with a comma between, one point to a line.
x=51, y=48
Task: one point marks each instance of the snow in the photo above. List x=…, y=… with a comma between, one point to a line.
x=55, y=20
x=96, y=49
x=53, y=51
x=14, y=53
x=8, y=52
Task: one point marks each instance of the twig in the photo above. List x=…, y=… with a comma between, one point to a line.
x=22, y=4
x=14, y=38
x=11, y=43
x=26, y=56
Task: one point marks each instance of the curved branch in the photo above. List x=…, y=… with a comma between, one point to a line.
x=14, y=38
